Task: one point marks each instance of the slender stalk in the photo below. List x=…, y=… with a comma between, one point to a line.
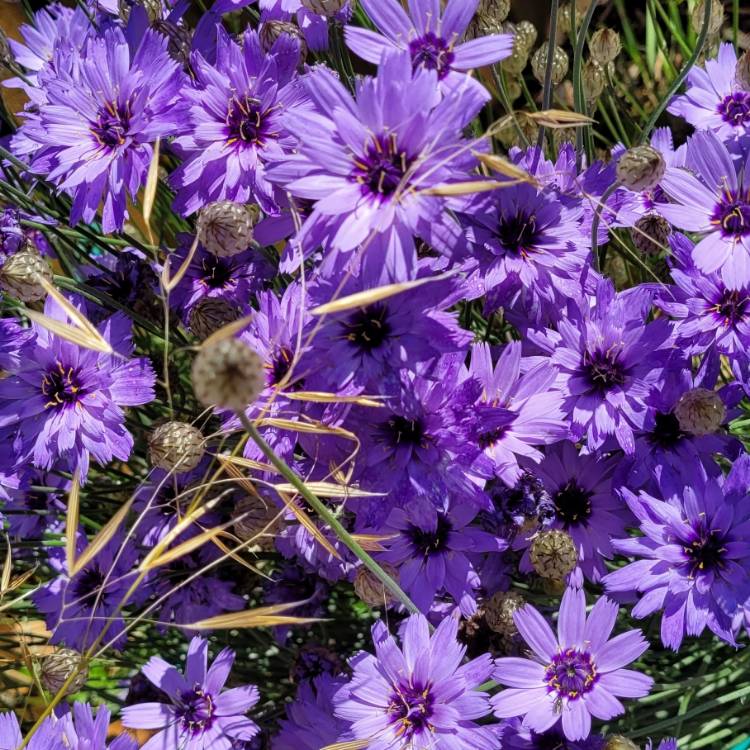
x=547, y=90
x=578, y=97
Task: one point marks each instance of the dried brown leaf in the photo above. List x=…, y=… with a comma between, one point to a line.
x=559, y=118
x=149, y=192
x=103, y=536
x=72, y=517
x=368, y=297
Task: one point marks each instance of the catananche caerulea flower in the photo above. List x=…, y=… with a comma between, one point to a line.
x=608, y=357
x=517, y=737
x=570, y=677
x=200, y=713
x=367, y=162
x=712, y=198
x=530, y=411
x=691, y=562
x=418, y=696
x=714, y=99
x=237, y=111
x=432, y=37
x=66, y=401
x=92, y=135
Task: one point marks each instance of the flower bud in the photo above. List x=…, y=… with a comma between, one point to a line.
x=370, y=589
x=57, y=667
x=258, y=521
x=211, y=314
x=553, y=554
x=651, y=234
x=499, y=609
x=270, y=31
x=179, y=40
x=561, y=136
x=6, y=56
x=517, y=61
x=565, y=19
x=153, y=9
x=225, y=228
x=228, y=374
x=640, y=168
x=324, y=7
x=513, y=88
x=593, y=80
x=742, y=72
x=176, y=446
x=619, y=742
x=559, y=64
x=526, y=35
x=489, y=17
x=715, y=19
x=20, y=274
x=605, y=45
x=582, y=6
x=700, y=411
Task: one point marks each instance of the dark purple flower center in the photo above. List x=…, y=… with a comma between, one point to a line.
x=707, y=550
x=279, y=366
x=573, y=504
x=111, y=125
x=432, y=52
x=382, y=168
x=411, y=708
x=367, y=328
x=400, y=430
x=735, y=108
x=217, y=272
x=732, y=215
x=732, y=307
x=88, y=586
x=518, y=233
x=604, y=369
x=196, y=711
x=61, y=386
x=488, y=439
x=571, y=674
x=247, y=122
x=667, y=431
x=431, y=541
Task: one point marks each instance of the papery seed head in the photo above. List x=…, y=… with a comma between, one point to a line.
x=57, y=667
x=257, y=520
x=651, y=234
x=176, y=446
x=640, y=168
x=742, y=71
x=270, y=31
x=716, y=16
x=225, y=228
x=525, y=34
x=619, y=742
x=20, y=274
x=553, y=554
x=700, y=411
x=324, y=7
x=370, y=589
x=179, y=40
x=559, y=64
x=593, y=80
x=211, y=314
x=499, y=609
x=488, y=18
x=605, y=45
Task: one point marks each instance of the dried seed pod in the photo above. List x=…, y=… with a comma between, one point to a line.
x=6, y=56
x=257, y=520
x=526, y=35
x=270, y=31
x=593, y=79
x=619, y=742
x=742, y=72
x=700, y=411
x=565, y=19
x=176, y=446
x=553, y=554
x=20, y=274
x=228, y=374
x=605, y=45
x=57, y=667
x=488, y=18
x=651, y=234
x=179, y=40
x=225, y=228
x=640, y=168
x=370, y=589
x=499, y=609
x=715, y=19
x=559, y=64
x=324, y=7
x=211, y=314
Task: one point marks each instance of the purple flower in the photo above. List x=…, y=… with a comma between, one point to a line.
x=66, y=401
x=669, y=743
x=81, y=608
x=692, y=560
x=608, y=358
x=431, y=549
x=313, y=26
x=47, y=737
x=200, y=713
x=712, y=200
x=237, y=112
x=714, y=100
x=420, y=695
x=531, y=411
x=367, y=162
x=572, y=676
x=310, y=723
x=517, y=737
x=432, y=37
x=92, y=135
x=32, y=502
x=14, y=235
x=583, y=504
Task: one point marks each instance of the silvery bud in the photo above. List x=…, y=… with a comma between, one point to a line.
x=57, y=667
x=370, y=589
x=153, y=9
x=742, y=72
x=176, y=446
x=257, y=521
x=553, y=554
x=619, y=742
x=640, y=168
x=559, y=64
x=651, y=234
x=20, y=274
x=228, y=374
x=211, y=314
x=324, y=7
x=499, y=609
x=715, y=17
x=179, y=40
x=6, y=56
x=489, y=18
x=700, y=411
x=526, y=35
x=270, y=31
x=565, y=19
x=593, y=80
x=226, y=228
x=605, y=45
